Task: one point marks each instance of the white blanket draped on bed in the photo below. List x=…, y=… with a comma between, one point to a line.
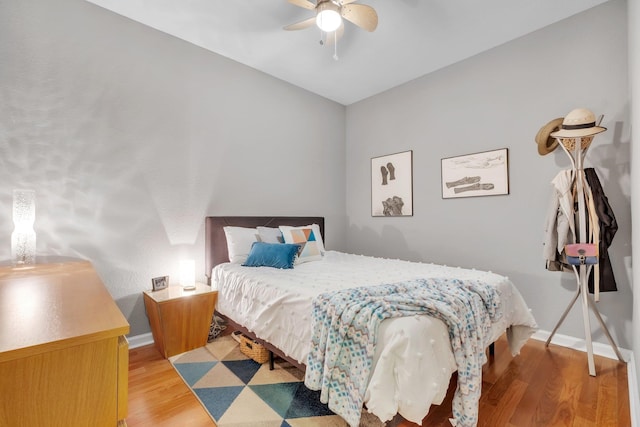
x=345, y=326
x=413, y=359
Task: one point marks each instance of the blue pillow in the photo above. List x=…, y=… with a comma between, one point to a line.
x=276, y=255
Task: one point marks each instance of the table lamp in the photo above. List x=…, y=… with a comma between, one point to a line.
x=187, y=274
x=23, y=238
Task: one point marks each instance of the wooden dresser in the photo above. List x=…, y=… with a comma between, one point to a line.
x=63, y=354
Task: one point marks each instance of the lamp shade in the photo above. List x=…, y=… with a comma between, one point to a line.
x=328, y=18
x=23, y=238
x=188, y=274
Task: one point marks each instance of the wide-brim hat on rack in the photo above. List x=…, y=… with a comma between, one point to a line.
x=546, y=143
x=578, y=123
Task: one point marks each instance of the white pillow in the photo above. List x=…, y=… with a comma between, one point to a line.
x=316, y=229
x=239, y=241
x=309, y=238
x=317, y=233
x=270, y=235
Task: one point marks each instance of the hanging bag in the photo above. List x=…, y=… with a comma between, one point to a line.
x=581, y=253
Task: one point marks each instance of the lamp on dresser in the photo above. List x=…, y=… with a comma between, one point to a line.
x=23, y=238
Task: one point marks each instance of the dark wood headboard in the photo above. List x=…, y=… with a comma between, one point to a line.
x=216, y=241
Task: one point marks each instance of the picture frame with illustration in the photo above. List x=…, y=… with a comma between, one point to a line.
x=479, y=174
x=159, y=283
x=392, y=184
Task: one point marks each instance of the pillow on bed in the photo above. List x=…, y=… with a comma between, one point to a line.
x=276, y=255
x=316, y=230
x=270, y=235
x=308, y=237
x=239, y=241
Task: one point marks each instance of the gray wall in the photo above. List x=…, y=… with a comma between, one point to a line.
x=131, y=137
x=499, y=99
x=634, y=80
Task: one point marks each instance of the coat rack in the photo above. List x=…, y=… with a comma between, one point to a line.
x=576, y=148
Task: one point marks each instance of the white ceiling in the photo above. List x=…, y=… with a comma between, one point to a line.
x=413, y=38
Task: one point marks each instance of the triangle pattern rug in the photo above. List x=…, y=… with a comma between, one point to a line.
x=238, y=392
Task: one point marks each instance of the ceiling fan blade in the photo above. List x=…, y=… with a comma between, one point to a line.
x=301, y=25
x=348, y=1
x=362, y=15
x=303, y=3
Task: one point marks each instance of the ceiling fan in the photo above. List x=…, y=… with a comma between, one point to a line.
x=329, y=14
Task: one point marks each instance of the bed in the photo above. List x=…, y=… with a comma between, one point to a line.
x=414, y=355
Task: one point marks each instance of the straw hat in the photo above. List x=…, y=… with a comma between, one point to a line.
x=579, y=122
x=546, y=143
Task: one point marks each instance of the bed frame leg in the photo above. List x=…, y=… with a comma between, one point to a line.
x=492, y=349
x=271, y=359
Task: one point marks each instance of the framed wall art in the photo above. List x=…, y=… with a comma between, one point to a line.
x=392, y=185
x=478, y=174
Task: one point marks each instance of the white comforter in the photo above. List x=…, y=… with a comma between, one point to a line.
x=413, y=361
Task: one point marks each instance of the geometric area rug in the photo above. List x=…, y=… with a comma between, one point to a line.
x=239, y=392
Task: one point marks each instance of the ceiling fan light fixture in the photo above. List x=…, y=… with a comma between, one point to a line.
x=328, y=18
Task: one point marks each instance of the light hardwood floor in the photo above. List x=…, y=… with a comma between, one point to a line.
x=540, y=387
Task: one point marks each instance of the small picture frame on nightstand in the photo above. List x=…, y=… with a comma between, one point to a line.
x=160, y=282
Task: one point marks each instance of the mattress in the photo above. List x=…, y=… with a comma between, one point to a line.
x=413, y=355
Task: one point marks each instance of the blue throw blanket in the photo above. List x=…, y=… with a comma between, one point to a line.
x=345, y=326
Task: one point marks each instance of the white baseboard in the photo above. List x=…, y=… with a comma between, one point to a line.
x=634, y=399
x=604, y=350
x=579, y=344
x=140, y=340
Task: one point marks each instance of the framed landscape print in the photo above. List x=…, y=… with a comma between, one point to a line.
x=392, y=185
x=478, y=174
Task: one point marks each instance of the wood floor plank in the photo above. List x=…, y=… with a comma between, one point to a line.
x=542, y=387
x=157, y=395
x=568, y=399
x=514, y=370
x=548, y=404
x=528, y=405
x=624, y=409
x=607, y=401
x=503, y=412
x=532, y=366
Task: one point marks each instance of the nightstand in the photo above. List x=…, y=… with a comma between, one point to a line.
x=180, y=319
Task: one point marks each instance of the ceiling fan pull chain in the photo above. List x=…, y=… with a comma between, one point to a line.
x=335, y=47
